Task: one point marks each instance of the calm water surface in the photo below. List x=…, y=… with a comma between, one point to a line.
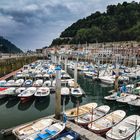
x=13, y=113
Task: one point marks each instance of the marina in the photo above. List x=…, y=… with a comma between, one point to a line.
x=69, y=70
x=94, y=94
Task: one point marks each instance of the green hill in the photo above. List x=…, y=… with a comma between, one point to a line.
x=120, y=22
x=7, y=47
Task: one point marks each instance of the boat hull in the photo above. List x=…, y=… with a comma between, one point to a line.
x=100, y=132
x=127, y=138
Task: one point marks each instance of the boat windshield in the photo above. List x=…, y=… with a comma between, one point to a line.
x=76, y=90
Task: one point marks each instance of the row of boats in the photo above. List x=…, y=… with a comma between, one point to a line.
x=131, y=97
x=30, y=82
x=106, y=72
x=115, y=124
x=26, y=94
x=38, y=79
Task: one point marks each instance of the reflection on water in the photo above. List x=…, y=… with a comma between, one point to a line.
x=76, y=100
x=42, y=104
x=7, y=137
x=12, y=103
x=26, y=105
x=3, y=101
x=65, y=100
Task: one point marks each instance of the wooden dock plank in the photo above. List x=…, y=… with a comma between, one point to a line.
x=84, y=133
x=10, y=74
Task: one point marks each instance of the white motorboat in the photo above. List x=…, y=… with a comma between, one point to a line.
x=2, y=83
x=28, y=83
x=125, y=129
x=8, y=91
x=48, y=133
x=81, y=110
x=27, y=94
x=96, y=113
x=47, y=83
x=38, y=83
x=19, y=90
x=2, y=90
x=23, y=131
x=65, y=91
x=46, y=77
x=10, y=83
x=107, y=79
x=76, y=91
x=19, y=82
x=135, y=102
x=104, y=124
x=42, y=92
x=115, y=96
x=127, y=99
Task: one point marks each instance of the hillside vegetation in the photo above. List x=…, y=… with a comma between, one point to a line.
x=120, y=22
x=7, y=47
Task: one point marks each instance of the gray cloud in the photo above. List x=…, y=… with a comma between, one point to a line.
x=35, y=23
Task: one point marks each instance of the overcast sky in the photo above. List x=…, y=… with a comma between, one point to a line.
x=32, y=24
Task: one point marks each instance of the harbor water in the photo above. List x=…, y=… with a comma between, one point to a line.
x=13, y=113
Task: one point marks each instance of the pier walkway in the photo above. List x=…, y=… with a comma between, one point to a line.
x=10, y=74
x=84, y=133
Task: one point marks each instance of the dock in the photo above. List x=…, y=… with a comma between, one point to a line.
x=84, y=133
x=10, y=74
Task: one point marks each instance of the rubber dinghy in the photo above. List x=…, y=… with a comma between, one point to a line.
x=72, y=113
x=97, y=113
x=125, y=129
x=101, y=126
